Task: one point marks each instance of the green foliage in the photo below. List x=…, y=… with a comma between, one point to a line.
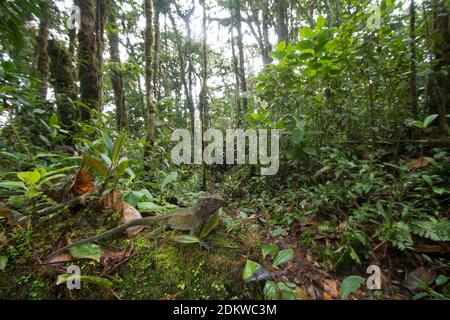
x=64, y=278
x=282, y=256
x=86, y=251
x=350, y=285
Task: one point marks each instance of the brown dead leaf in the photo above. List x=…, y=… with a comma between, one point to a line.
x=418, y=163
x=331, y=289
x=113, y=201
x=419, y=278
x=61, y=258
x=84, y=182
x=129, y=214
x=116, y=256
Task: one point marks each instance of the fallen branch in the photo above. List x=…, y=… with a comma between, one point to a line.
x=81, y=200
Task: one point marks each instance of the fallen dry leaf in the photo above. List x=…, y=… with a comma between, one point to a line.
x=418, y=163
x=129, y=214
x=84, y=183
x=331, y=289
x=418, y=279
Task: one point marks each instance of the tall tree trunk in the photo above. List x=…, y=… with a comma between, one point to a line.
x=204, y=114
x=42, y=54
x=237, y=89
x=87, y=60
x=281, y=20
x=63, y=82
x=100, y=21
x=256, y=31
x=412, y=79
x=441, y=80
x=240, y=45
x=156, y=56
x=73, y=36
x=265, y=27
x=148, y=48
x=184, y=81
x=116, y=69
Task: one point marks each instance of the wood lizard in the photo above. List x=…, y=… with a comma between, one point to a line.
x=190, y=219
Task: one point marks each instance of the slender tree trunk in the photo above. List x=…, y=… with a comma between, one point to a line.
x=100, y=22
x=63, y=82
x=87, y=60
x=184, y=80
x=282, y=32
x=240, y=45
x=42, y=54
x=412, y=79
x=148, y=48
x=156, y=56
x=116, y=70
x=441, y=80
x=73, y=36
x=265, y=27
x=237, y=77
x=204, y=114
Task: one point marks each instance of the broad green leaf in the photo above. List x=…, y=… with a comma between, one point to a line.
x=108, y=142
x=350, y=285
x=283, y=256
x=53, y=177
x=306, y=33
x=29, y=177
x=289, y=291
x=86, y=251
x=12, y=184
x=96, y=280
x=249, y=270
x=320, y=23
x=171, y=177
x=281, y=46
x=117, y=149
x=96, y=164
x=207, y=227
x=309, y=150
x=63, y=278
x=186, y=239
x=271, y=290
x=438, y=190
x=427, y=179
x=297, y=135
x=149, y=207
x=429, y=120
x=268, y=249
x=441, y=279
x=3, y=262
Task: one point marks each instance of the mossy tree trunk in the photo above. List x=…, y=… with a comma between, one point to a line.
x=441, y=50
x=87, y=59
x=148, y=52
x=41, y=48
x=116, y=69
x=100, y=22
x=63, y=82
x=204, y=114
x=240, y=45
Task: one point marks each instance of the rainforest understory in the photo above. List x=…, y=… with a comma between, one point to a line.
x=347, y=197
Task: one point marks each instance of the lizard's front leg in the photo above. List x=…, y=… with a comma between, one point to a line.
x=156, y=232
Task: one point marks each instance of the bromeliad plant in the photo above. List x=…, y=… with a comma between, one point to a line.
x=112, y=166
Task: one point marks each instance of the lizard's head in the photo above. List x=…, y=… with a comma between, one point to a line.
x=209, y=204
